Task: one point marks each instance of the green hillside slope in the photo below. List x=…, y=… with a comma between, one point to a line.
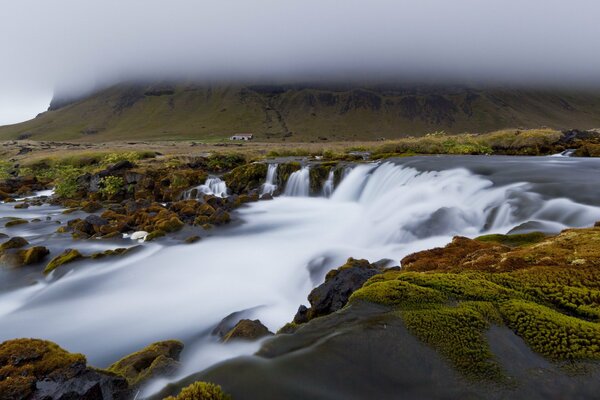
x=301, y=113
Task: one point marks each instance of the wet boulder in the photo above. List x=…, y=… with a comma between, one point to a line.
x=68, y=256
x=157, y=359
x=13, y=243
x=247, y=329
x=339, y=285
x=39, y=369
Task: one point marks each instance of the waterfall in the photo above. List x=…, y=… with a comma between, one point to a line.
x=213, y=185
x=269, y=186
x=328, y=185
x=298, y=184
x=377, y=211
x=565, y=153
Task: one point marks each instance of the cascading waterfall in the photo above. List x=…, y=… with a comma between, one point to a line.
x=328, y=184
x=377, y=212
x=213, y=185
x=298, y=184
x=269, y=186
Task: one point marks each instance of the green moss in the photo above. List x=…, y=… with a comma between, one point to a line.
x=458, y=333
x=68, y=256
x=555, y=335
x=201, y=391
x=396, y=293
x=25, y=361
x=515, y=240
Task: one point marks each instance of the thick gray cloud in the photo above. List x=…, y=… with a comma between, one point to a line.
x=75, y=44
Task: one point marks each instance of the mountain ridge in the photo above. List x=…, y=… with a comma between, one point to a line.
x=302, y=112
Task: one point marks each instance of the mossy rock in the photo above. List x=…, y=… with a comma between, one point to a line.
x=34, y=255
x=90, y=206
x=160, y=358
x=514, y=240
x=246, y=178
x=155, y=235
x=318, y=174
x=201, y=391
x=285, y=170
x=112, y=252
x=15, y=222
x=171, y=224
x=247, y=330
x=34, y=368
x=192, y=239
x=13, y=243
x=68, y=256
x=25, y=361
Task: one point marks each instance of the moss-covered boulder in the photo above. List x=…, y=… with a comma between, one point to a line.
x=246, y=178
x=201, y=391
x=157, y=359
x=13, y=243
x=39, y=369
x=155, y=235
x=15, y=222
x=68, y=256
x=247, y=329
x=171, y=224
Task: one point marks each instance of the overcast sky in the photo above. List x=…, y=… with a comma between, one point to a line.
x=76, y=44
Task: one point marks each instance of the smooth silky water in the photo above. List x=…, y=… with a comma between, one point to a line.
x=267, y=265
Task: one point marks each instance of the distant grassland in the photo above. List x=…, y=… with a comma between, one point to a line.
x=512, y=142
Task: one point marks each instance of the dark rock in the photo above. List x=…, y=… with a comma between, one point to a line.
x=339, y=284
x=301, y=315
x=96, y=220
x=121, y=165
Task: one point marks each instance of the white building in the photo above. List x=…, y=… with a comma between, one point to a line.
x=242, y=136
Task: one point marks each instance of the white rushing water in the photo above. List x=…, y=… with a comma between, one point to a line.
x=270, y=263
x=269, y=186
x=298, y=184
x=328, y=185
x=213, y=185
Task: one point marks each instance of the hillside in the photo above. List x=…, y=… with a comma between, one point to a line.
x=301, y=112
